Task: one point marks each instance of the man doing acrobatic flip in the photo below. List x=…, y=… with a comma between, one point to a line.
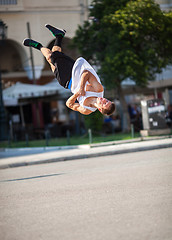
x=78, y=76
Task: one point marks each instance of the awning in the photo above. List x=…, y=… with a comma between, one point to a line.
x=64, y=93
x=20, y=92
x=8, y=101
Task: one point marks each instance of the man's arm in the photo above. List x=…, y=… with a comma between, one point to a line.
x=84, y=79
x=93, y=84
x=70, y=103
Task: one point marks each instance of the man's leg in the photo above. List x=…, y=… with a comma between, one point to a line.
x=57, y=33
x=56, y=48
x=45, y=51
x=47, y=54
x=60, y=64
x=31, y=43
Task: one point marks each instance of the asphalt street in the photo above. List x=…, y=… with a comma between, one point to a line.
x=125, y=196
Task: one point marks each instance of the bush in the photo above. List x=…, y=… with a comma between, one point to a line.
x=94, y=121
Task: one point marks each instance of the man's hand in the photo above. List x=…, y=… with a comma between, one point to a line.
x=76, y=106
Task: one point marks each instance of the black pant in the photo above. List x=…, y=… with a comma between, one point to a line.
x=63, y=70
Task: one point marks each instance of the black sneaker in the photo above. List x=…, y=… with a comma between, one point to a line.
x=31, y=43
x=55, y=31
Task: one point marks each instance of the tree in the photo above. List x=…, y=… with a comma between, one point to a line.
x=127, y=39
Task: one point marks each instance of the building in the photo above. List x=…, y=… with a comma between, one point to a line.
x=22, y=17
x=27, y=19
x=163, y=83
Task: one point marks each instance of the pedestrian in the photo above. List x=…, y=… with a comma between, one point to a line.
x=78, y=76
x=168, y=116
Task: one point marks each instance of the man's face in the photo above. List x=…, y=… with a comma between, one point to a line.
x=103, y=103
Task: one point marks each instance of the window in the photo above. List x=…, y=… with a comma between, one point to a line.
x=8, y=2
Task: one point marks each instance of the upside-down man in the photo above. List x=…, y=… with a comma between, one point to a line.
x=78, y=76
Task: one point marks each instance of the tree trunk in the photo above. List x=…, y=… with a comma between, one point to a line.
x=125, y=119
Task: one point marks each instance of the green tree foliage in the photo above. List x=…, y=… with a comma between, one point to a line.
x=128, y=39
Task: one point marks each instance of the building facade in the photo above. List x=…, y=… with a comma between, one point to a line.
x=19, y=64
x=22, y=17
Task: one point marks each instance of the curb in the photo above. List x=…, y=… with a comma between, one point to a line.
x=87, y=155
x=44, y=148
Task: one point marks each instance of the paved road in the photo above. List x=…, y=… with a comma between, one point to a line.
x=126, y=197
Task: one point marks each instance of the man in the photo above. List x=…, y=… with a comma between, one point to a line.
x=77, y=75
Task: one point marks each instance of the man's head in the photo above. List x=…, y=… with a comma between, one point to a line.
x=105, y=106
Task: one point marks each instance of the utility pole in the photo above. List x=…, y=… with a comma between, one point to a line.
x=31, y=54
x=33, y=75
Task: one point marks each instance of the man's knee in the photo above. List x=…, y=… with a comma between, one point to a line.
x=48, y=57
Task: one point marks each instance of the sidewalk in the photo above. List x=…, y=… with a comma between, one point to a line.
x=30, y=156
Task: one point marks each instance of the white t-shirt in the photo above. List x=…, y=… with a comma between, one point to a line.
x=79, y=67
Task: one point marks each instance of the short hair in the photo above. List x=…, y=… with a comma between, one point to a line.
x=110, y=110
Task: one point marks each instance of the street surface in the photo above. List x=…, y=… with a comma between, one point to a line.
x=119, y=197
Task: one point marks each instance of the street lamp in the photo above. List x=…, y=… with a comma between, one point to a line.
x=3, y=125
x=3, y=30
